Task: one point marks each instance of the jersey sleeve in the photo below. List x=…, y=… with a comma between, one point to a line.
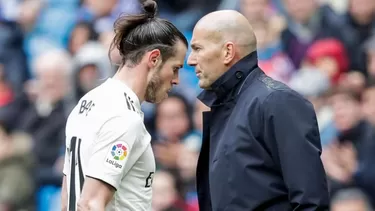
x=111, y=150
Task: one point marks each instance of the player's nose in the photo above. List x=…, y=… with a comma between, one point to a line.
x=175, y=81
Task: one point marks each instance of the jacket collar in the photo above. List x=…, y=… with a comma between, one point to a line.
x=229, y=80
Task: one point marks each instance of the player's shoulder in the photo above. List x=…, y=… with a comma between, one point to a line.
x=99, y=106
x=107, y=100
x=128, y=121
x=120, y=125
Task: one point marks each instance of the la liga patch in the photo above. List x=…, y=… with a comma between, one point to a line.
x=116, y=155
x=119, y=151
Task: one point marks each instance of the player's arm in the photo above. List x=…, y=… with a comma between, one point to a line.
x=106, y=166
x=64, y=195
x=96, y=195
x=64, y=188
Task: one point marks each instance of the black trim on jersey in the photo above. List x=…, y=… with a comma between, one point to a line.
x=129, y=102
x=81, y=178
x=72, y=195
x=102, y=181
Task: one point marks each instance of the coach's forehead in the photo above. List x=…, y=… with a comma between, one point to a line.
x=218, y=19
x=221, y=25
x=201, y=35
x=210, y=28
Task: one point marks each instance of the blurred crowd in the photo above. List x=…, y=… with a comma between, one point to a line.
x=52, y=52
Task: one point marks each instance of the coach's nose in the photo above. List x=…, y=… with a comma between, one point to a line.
x=192, y=60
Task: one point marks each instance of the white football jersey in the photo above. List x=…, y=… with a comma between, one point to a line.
x=106, y=139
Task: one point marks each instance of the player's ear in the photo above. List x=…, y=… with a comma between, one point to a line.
x=228, y=52
x=154, y=58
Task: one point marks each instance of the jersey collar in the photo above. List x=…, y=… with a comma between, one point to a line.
x=129, y=92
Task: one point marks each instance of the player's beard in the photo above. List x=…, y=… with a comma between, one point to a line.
x=152, y=88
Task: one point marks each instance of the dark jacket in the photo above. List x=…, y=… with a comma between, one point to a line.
x=261, y=146
x=48, y=133
x=354, y=35
x=12, y=55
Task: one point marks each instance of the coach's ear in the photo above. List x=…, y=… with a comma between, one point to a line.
x=228, y=53
x=154, y=58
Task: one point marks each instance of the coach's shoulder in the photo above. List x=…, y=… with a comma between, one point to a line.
x=276, y=90
x=287, y=100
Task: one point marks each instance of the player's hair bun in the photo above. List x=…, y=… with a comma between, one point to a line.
x=150, y=8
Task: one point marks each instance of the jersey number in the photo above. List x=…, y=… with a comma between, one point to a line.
x=75, y=147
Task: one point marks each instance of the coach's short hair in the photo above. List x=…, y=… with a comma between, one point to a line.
x=137, y=34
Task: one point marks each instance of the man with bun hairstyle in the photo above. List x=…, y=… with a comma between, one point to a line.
x=109, y=163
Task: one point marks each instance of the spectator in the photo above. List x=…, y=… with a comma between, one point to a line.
x=173, y=123
x=103, y=13
x=268, y=26
x=166, y=194
x=42, y=112
x=368, y=102
x=330, y=57
x=12, y=57
x=105, y=39
x=349, y=159
x=349, y=200
x=370, y=50
x=359, y=23
x=28, y=14
x=92, y=67
x=6, y=92
x=354, y=80
x=255, y=10
x=186, y=167
x=81, y=34
x=307, y=22
x=16, y=164
x=313, y=84
x=185, y=13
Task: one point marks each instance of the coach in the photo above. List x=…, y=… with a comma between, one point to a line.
x=261, y=146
